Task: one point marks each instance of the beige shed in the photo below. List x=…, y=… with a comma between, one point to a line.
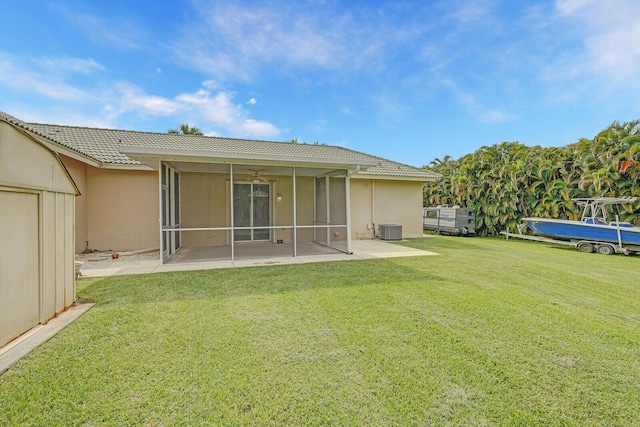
x=37, y=202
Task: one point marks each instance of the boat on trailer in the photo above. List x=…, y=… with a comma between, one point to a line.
x=593, y=232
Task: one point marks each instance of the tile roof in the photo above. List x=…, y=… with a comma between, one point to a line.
x=103, y=146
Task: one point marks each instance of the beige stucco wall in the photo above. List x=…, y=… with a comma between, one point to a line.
x=37, y=234
x=375, y=202
x=117, y=209
x=205, y=205
x=78, y=171
x=283, y=185
x=122, y=209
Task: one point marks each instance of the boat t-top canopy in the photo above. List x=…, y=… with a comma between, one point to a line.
x=604, y=200
x=595, y=208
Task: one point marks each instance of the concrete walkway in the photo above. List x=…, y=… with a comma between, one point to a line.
x=27, y=342
x=362, y=249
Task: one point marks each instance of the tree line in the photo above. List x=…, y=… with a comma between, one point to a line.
x=505, y=182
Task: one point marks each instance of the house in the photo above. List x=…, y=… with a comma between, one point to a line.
x=143, y=190
x=37, y=196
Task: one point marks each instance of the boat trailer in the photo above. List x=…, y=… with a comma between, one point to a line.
x=586, y=246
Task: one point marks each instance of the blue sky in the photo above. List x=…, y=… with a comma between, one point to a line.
x=411, y=81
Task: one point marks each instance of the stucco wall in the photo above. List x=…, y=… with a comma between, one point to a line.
x=362, y=212
x=122, y=209
x=205, y=205
x=78, y=171
x=385, y=202
x=284, y=207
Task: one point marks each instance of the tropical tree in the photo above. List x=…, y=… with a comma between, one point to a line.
x=505, y=182
x=185, y=129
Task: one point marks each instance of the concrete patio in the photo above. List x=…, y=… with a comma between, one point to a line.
x=210, y=258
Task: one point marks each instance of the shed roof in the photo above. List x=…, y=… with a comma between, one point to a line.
x=118, y=147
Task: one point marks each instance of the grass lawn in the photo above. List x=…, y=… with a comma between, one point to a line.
x=487, y=333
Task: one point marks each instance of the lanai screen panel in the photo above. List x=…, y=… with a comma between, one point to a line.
x=331, y=210
x=204, y=195
x=253, y=210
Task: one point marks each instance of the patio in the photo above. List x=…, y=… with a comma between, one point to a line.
x=205, y=258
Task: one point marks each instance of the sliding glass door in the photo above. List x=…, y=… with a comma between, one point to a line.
x=252, y=209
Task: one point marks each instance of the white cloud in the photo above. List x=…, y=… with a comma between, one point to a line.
x=121, y=33
x=610, y=53
x=255, y=129
x=475, y=108
x=234, y=41
x=75, y=65
x=216, y=108
x=109, y=103
x=496, y=116
x=213, y=109
x=568, y=7
x=252, y=101
x=38, y=81
x=132, y=98
x=473, y=11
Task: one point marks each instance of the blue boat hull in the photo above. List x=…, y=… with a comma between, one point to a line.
x=575, y=230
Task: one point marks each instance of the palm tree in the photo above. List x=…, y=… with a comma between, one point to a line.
x=185, y=129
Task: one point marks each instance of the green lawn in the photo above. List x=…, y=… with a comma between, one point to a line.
x=487, y=333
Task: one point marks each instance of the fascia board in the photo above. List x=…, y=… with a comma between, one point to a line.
x=146, y=155
x=115, y=166
x=397, y=178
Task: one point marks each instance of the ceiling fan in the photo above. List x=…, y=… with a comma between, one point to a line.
x=255, y=176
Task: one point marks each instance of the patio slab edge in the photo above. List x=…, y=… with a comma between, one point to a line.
x=11, y=353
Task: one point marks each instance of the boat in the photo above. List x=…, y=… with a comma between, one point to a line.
x=593, y=229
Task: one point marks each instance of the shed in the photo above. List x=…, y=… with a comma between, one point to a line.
x=37, y=202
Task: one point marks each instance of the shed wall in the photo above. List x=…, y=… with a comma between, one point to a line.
x=36, y=230
x=19, y=264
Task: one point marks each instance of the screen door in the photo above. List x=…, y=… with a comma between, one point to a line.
x=251, y=208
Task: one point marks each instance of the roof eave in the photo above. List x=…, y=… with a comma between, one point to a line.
x=422, y=179
x=150, y=155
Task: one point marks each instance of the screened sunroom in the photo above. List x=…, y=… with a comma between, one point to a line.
x=234, y=209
